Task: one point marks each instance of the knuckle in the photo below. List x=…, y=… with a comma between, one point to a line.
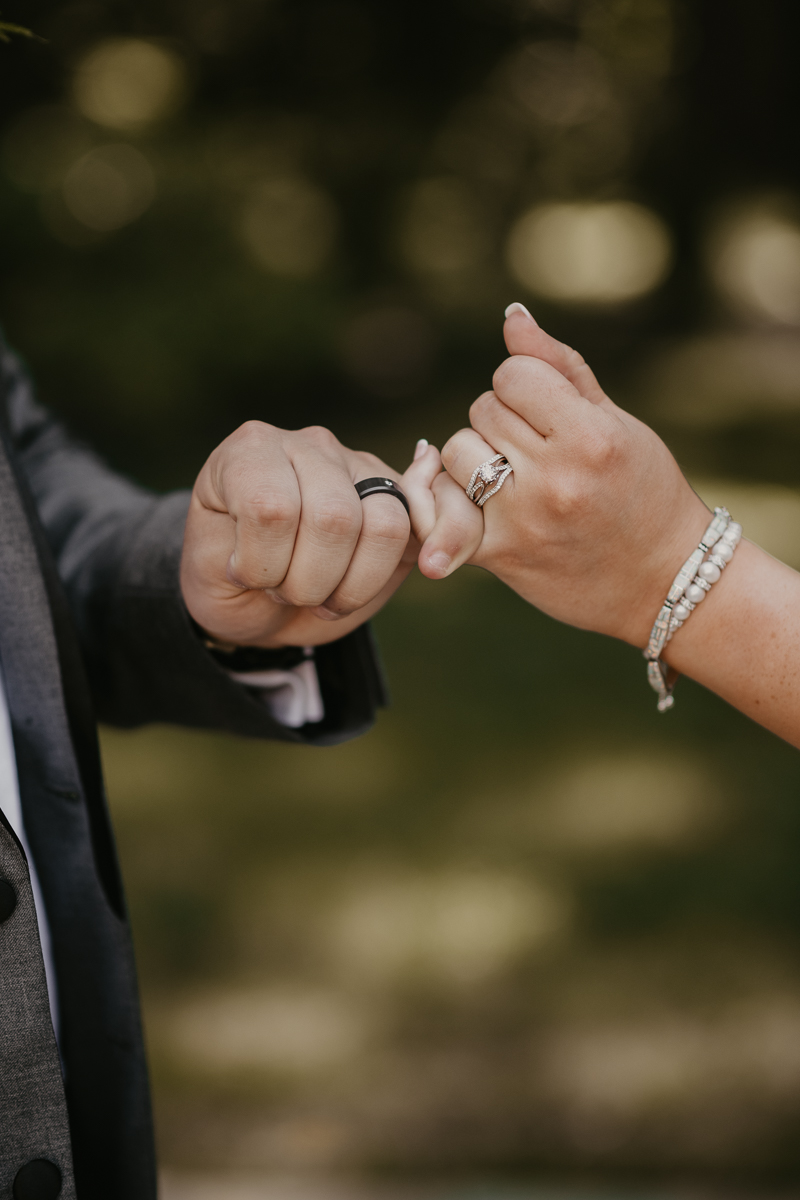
x=254, y=431
x=390, y=524
x=320, y=437
x=336, y=518
x=601, y=448
x=455, y=448
x=270, y=510
x=569, y=497
x=572, y=359
x=509, y=372
x=457, y=536
x=483, y=407
x=461, y=527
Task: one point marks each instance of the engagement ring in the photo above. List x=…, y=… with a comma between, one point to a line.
x=493, y=472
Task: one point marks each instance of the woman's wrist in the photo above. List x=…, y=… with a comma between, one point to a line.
x=664, y=560
x=743, y=642
x=697, y=575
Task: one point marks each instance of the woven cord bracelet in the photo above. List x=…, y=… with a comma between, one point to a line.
x=689, y=588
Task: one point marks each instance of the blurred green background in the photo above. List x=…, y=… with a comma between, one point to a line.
x=526, y=926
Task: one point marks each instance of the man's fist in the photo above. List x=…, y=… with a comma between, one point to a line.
x=279, y=549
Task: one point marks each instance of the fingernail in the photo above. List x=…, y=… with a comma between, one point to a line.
x=276, y=597
x=232, y=578
x=440, y=561
x=516, y=307
x=421, y=447
x=326, y=614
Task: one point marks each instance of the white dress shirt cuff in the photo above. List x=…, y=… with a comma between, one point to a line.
x=293, y=696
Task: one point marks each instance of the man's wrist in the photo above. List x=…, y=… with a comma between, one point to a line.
x=242, y=659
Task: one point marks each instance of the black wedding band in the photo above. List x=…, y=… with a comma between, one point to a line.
x=374, y=487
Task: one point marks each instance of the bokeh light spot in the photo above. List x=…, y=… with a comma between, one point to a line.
x=128, y=83
x=461, y=927
x=282, y=1029
x=722, y=379
x=289, y=226
x=754, y=257
x=109, y=187
x=617, y=801
x=590, y=253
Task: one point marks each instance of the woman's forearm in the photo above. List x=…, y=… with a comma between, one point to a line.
x=743, y=641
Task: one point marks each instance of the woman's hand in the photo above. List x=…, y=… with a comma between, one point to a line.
x=279, y=549
x=596, y=518
x=594, y=524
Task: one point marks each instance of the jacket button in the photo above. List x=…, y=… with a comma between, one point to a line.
x=37, y=1180
x=8, y=900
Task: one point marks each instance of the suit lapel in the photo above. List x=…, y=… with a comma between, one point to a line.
x=69, y=834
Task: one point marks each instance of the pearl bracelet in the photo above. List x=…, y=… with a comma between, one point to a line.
x=689, y=588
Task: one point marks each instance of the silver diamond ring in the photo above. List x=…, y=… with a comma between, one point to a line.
x=491, y=474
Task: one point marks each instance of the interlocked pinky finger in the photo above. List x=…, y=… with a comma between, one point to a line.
x=417, y=483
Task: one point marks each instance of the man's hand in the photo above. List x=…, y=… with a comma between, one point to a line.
x=596, y=517
x=279, y=549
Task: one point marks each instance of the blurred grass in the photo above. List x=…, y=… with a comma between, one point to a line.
x=521, y=856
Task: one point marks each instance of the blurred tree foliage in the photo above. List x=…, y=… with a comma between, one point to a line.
x=159, y=336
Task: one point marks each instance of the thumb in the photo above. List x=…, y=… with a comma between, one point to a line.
x=523, y=336
x=457, y=533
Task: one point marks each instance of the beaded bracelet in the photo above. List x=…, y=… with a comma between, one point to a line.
x=689, y=588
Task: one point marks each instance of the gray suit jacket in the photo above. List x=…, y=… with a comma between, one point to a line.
x=91, y=622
